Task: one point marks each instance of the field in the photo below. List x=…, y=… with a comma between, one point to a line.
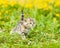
x=46, y=33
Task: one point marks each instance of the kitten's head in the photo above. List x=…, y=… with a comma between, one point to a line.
x=29, y=23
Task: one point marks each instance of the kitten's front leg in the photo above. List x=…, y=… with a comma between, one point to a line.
x=22, y=35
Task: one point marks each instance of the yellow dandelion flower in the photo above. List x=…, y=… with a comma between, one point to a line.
x=28, y=5
x=5, y=2
x=21, y=2
x=49, y=1
x=57, y=15
x=45, y=6
x=12, y=3
x=1, y=2
x=38, y=4
x=5, y=5
x=57, y=3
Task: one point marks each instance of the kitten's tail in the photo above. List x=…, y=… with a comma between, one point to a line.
x=22, y=15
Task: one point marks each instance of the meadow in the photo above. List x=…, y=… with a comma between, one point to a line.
x=46, y=33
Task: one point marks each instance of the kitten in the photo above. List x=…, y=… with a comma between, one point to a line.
x=23, y=26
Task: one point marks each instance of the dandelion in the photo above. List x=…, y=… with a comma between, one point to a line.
x=45, y=6
x=1, y=2
x=21, y=2
x=49, y=1
x=5, y=2
x=57, y=15
x=29, y=5
x=12, y=3
x=38, y=4
x=5, y=5
x=57, y=3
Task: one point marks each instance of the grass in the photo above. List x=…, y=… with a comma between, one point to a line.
x=46, y=33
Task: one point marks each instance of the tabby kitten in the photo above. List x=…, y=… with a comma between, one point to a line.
x=23, y=26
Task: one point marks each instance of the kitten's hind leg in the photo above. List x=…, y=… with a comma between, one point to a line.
x=12, y=31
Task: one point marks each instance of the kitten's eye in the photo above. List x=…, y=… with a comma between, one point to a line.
x=30, y=23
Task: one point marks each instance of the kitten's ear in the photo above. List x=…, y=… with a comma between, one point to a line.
x=22, y=15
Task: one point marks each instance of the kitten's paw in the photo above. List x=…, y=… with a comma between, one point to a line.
x=23, y=37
